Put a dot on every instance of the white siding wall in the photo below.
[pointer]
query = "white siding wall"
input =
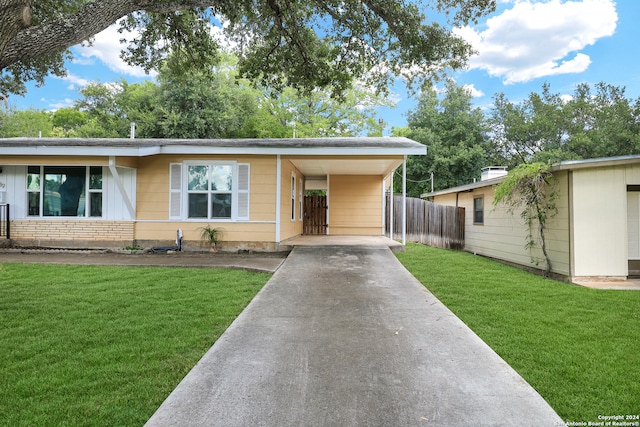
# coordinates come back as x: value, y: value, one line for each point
x: 16, y: 177
x: 600, y: 222
x: 114, y: 204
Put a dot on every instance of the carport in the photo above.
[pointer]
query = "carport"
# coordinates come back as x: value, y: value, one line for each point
x: 356, y: 178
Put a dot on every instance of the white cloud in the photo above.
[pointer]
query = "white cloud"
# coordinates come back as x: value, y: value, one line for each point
x: 536, y: 39
x: 566, y: 98
x: 475, y: 93
x: 74, y: 81
x: 218, y: 33
x: 67, y: 102
x: 106, y: 48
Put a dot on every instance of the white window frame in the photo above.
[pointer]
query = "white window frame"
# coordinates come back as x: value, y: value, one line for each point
x: 300, y: 199
x: 179, y: 191
x: 293, y: 197
x: 481, y: 211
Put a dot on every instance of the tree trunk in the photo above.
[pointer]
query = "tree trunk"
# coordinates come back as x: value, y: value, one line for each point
x: 15, y: 15
x: 543, y: 244
x: 20, y: 44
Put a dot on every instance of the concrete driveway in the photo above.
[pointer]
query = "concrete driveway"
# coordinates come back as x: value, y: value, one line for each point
x: 345, y: 336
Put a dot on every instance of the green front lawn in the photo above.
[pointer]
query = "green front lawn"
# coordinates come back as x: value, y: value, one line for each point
x: 104, y: 346
x: 579, y: 347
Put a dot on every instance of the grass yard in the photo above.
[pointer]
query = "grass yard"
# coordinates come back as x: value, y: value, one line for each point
x: 579, y: 347
x: 104, y: 346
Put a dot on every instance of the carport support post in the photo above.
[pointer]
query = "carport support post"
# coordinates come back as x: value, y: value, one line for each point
x: 404, y: 201
x: 391, y: 203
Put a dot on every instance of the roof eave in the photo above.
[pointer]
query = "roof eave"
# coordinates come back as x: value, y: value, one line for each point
x: 144, y: 151
x: 465, y: 188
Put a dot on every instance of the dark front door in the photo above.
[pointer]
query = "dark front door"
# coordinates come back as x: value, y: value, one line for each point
x: 315, y: 215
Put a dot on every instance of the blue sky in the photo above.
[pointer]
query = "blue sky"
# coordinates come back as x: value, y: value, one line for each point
x: 522, y: 45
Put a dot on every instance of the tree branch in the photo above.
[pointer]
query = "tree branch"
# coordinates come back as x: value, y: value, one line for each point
x: 15, y: 15
x: 93, y: 17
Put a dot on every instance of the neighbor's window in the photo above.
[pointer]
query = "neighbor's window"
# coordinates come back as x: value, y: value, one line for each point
x: 210, y: 189
x: 64, y: 191
x: 478, y: 210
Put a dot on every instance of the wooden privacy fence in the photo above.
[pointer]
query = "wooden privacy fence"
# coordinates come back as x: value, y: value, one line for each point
x: 428, y: 223
x: 315, y: 215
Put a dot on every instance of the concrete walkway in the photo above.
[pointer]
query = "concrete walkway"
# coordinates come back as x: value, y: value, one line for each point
x: 345, y: 336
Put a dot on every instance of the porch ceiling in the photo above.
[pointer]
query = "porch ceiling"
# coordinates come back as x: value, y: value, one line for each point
x: 311, y: 167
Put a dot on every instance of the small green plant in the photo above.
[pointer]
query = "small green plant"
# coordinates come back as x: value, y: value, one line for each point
x: 211, y: 235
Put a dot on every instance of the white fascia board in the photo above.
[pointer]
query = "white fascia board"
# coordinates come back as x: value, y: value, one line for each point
x: 283, y: 151
x: 75, y: 151
x: 186, y: 149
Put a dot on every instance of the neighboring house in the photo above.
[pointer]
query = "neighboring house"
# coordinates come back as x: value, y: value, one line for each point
x: 126, y: 192
x: 596, y: 232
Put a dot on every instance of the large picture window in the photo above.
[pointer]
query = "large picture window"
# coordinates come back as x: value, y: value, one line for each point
x: 71, y: 191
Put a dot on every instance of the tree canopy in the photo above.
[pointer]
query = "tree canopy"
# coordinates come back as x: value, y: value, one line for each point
x: 456, y: 136
x: 211, y: 104
x: 311, y: 43
x: 546, y: 127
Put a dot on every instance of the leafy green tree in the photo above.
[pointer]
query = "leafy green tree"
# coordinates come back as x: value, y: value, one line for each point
x: 104, y: 114
x: 139, y: 103
x: 456, y: 139
x: 546, y: 128
x: 217, y: 104
x: 66, y: 121
x: 604, y: 123
x: 312, y: 43
x: 204, y: 104
x: 533, y: 130
x: 316, y: 114
x: 68, y: 118
x: 25, y: 123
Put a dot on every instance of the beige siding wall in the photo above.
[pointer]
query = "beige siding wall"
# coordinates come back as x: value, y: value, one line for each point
x: 503, y: 235
x: 153, y: 203
x: 355, y: 205
x: 73, y: 233
x: 600, y: 220
x: 235, y: 235
x: 288, y: 227
x: 127, y: 162
x: 153, y: 188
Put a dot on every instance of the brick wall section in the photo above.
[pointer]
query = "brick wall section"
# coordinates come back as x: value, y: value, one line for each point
x: 72, y: 232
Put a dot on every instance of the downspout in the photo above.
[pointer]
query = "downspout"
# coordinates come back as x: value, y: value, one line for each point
x: 404, y: 201
x: 120, y: 185
x: 278, y: 195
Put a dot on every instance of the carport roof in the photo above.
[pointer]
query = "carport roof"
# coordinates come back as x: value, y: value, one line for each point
x: 149, y: 147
